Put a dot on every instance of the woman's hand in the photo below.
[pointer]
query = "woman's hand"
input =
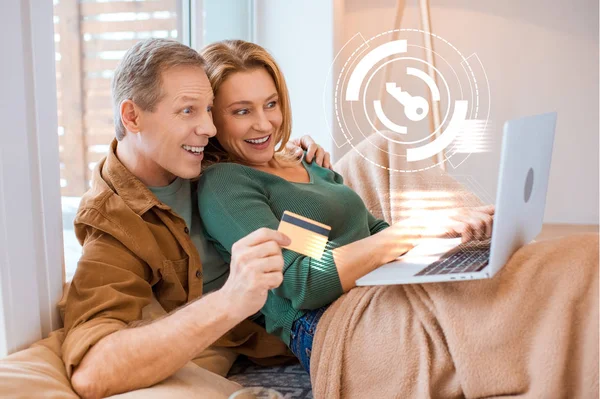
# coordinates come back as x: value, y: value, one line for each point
x: 313, y: 151
x: 469, y: 223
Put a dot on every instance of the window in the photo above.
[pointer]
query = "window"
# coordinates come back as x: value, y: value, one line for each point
x: 91, y: 36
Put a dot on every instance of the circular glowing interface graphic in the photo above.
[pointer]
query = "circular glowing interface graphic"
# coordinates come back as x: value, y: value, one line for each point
x: 427, y: 111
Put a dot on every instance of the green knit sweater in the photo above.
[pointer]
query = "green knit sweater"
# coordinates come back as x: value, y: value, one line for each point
x: 235, y: 200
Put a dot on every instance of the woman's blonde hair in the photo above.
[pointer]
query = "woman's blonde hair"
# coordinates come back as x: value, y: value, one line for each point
x: 227, y: 57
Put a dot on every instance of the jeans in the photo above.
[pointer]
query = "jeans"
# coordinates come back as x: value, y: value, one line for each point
x: 302, y: 335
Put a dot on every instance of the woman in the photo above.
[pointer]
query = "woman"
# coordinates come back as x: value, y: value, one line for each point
x: 251, y: 183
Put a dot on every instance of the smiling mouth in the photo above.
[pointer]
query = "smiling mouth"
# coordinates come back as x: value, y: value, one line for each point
x: 193, y: 150
x: 260, y: 140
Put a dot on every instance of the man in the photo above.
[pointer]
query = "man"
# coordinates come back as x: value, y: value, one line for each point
x: 136, y: 246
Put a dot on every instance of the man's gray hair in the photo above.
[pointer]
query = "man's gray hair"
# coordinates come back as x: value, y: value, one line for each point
x: 138, y: 76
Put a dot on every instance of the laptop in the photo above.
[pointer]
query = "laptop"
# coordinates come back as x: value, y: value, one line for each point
x: 521, y: 198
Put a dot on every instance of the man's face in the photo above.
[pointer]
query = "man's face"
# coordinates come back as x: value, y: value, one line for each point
x: 172, y: 137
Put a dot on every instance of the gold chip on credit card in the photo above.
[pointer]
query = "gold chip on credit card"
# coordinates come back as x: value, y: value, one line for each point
x: 308, y: 237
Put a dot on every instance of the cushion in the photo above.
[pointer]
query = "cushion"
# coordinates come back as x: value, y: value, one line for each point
x: 39, y: 369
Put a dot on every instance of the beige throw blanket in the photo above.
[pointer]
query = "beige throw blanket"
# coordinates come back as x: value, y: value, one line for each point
x: 530, y: 332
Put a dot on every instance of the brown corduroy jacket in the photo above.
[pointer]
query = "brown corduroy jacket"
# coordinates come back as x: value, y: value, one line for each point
x: 134, y: 246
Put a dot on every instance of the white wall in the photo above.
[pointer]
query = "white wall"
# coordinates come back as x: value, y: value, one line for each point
x: 300, y: 37
x: 31, y: 273
x: 226, y: 19
x: 539, y: 56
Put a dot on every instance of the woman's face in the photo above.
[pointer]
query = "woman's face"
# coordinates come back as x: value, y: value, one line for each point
x: 248, y: 116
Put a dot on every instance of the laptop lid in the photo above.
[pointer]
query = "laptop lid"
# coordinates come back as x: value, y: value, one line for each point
x: 522, y: 185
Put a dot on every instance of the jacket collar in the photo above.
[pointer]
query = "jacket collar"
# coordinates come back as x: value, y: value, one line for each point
x: 125, y: 184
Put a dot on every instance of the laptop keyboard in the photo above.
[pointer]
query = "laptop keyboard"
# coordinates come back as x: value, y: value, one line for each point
x: 468, y: 257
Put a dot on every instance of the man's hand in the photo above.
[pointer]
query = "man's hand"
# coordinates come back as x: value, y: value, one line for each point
x: 469, y: 223
x: 313, y: 151
x: 256, y: 267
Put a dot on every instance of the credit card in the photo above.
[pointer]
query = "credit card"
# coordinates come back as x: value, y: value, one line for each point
x: 308, y: 236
